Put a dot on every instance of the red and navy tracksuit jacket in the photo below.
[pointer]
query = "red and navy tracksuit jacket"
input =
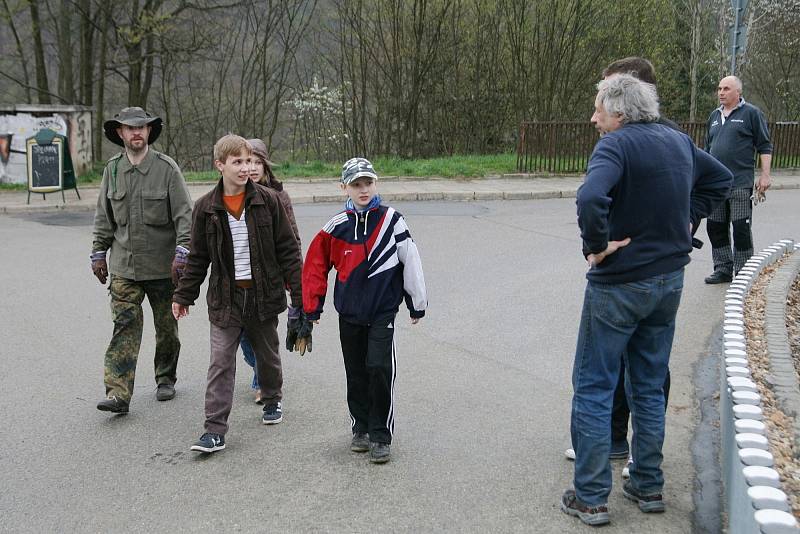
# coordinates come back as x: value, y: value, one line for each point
x: 377, y: 266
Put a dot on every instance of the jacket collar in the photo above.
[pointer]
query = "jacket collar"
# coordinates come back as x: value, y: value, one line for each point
x: 251, y: 196
x: 740, y: 104
x: 143, y: 167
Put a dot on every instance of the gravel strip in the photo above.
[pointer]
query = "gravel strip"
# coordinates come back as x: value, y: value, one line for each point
x: 780, y: 427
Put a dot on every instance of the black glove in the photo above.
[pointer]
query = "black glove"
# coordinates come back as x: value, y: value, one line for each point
x: 303, y: 342
x: 99, y: 266
x: 292, y: 326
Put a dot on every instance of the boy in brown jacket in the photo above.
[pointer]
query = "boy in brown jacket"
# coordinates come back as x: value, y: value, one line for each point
x: 241, y: 230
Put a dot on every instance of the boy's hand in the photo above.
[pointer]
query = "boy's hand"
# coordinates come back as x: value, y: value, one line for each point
x: 179, y: 310
x: 414, y: 320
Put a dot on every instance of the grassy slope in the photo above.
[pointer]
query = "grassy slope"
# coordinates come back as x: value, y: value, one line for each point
x: 445, y: 167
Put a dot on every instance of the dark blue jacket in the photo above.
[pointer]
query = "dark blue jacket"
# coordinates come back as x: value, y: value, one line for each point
x: 647, y: 182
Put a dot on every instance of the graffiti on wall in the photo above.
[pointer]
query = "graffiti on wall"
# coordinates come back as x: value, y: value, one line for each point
x: 80, y: 140
x: 22, y: 126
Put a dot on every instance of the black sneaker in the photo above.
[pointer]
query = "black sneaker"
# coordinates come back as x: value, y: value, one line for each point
x: 718, y: 277
x: 378, y: 452
x: 165, y: 392
x: 360, y: 442
x: 272, y: 413
x: 653, y: 503
x: 594, y: 516
x: 113, y: 404
x: 209, y: 443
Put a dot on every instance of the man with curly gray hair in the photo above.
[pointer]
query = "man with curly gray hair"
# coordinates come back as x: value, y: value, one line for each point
x: 646, y: 187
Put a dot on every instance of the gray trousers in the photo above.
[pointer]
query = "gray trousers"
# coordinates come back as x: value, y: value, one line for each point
x: 263, y: 336
x: 733, y: 216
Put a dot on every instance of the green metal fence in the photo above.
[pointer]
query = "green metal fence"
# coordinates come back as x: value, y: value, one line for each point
x: 565, y: 147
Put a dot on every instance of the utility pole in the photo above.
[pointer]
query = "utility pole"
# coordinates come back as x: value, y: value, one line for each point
x: 738, y: 32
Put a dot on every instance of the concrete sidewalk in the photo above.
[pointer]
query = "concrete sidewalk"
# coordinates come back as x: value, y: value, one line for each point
x: 392, y: 189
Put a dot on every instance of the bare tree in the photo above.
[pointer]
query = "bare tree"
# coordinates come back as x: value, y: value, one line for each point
x: 42, y: 85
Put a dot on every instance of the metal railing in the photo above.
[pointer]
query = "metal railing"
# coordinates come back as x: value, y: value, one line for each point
x: 565, y: 146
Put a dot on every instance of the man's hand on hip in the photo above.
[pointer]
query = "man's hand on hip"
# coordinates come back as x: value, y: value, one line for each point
x: 613, y: 246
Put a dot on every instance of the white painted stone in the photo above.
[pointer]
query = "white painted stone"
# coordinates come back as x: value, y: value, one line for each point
x: 756, y: 457
x: 740, y: 383
x: 737, y: 371
x: 734, y: 353
x: 737, y: 309
x: 757, y: 475
x: 733, y: 328
x: 750, y: 425
x: 738, y: 322
x: 733, y: 302
x: 752, y: 441
x: 735, y: 362
x: 735, y: 345
x: 765, y: 497
x: 776, y: 522
x: 746, y: 397
x: 733, y: 336
x: 747, y: 411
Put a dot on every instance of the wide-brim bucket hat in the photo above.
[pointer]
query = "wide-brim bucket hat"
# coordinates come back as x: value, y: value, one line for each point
x: 133, y: 116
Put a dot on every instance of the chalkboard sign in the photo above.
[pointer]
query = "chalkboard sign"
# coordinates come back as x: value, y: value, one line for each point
x: 45, y: 165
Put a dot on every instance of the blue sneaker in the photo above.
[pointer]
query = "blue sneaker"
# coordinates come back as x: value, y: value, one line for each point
x: 273, y: 413
x: 209, y: 443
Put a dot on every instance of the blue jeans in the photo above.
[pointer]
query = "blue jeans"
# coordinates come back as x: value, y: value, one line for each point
x: 250, y: 358
x: 637, y: 320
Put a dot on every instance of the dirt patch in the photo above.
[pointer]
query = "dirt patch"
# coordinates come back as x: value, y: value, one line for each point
x: 781, y: 433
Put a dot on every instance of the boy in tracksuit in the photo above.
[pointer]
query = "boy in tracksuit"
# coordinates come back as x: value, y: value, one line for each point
x: 241, y: 230
x: 377, y: 265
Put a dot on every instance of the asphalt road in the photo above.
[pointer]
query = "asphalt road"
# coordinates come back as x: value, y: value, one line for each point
x: 483, y: 394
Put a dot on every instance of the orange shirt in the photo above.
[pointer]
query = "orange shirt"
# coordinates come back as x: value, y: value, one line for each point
x: 234, y: 204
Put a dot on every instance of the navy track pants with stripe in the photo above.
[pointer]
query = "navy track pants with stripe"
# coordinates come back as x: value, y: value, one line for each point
x: 369, y: 361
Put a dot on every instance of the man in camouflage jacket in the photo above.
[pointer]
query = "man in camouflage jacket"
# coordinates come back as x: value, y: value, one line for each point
x: 144, y: 217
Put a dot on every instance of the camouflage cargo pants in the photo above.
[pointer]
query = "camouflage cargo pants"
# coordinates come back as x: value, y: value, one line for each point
x: 123, y: 351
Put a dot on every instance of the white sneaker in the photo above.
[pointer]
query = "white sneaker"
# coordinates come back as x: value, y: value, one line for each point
x: 626, y: 471
x: 570, y: 454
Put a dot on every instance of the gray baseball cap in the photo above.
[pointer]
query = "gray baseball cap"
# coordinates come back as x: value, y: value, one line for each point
x: 356, y: 168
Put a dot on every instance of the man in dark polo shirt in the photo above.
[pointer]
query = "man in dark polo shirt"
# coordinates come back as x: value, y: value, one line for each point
x: 736, y: 130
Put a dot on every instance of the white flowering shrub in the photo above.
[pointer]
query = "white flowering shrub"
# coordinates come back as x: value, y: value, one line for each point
x: 318, y: 132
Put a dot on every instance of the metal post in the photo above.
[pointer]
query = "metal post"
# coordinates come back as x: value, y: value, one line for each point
x: 737, y: 41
